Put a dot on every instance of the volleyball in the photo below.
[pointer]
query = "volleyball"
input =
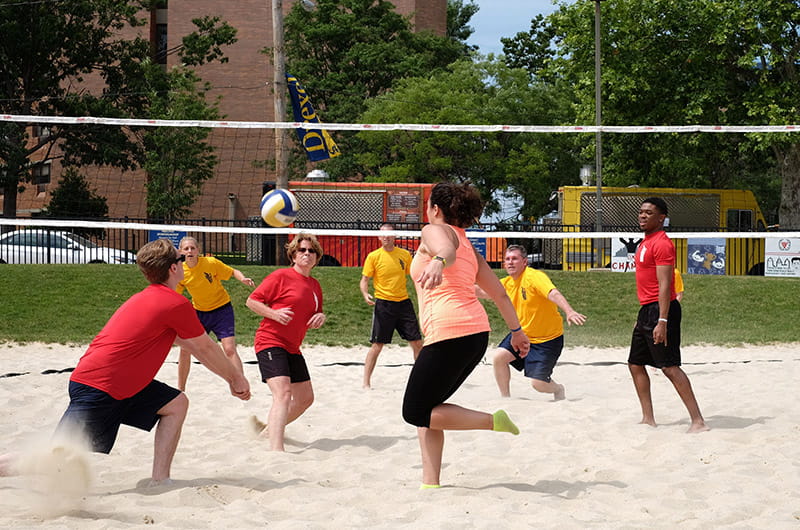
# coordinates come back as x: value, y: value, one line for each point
x: 279, y: 208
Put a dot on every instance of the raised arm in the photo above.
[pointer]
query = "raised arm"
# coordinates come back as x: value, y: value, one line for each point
x: 440, y: 243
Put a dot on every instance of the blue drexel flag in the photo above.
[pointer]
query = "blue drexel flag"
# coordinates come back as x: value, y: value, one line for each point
x: 318, y: 143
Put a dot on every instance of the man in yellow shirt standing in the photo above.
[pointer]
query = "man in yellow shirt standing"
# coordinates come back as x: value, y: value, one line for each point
x: 536, y: 301
x: 388, y: 267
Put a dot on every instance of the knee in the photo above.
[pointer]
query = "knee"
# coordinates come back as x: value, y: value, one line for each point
x: 179, y: 406
x: 306, y: 400
x: 501, y: 357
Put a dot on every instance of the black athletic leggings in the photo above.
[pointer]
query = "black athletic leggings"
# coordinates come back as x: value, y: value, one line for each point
x: 438, y: 372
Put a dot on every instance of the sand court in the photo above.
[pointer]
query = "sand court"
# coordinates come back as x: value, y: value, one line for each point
x: 351, y: 461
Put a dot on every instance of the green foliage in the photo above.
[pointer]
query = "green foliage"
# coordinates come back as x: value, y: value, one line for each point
x: 346, y: 52
x: 74, y: 198
x: 81, y: 298
x: 178, y: 160
x: 480, y: 92
x: 459, y: 14
x: 681, y: 62
x: 49, y: 49
x: 46, y: 51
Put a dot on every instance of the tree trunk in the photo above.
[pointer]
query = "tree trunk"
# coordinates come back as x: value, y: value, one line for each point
x: 789, y: 210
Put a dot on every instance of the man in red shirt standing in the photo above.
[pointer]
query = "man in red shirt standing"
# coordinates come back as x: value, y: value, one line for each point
x: 656, y: 338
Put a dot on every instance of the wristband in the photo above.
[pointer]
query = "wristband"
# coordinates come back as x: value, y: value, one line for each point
x: 515, y: 330
x: 439, y: 258
x: 662, y: 319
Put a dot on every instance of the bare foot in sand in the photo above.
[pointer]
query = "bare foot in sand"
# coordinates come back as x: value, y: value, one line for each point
x: 648, y: 421
x: 560, y: 393
x: 698, y: 427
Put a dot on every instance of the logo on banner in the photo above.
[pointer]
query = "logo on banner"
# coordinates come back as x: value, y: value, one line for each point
x: 318, y: 144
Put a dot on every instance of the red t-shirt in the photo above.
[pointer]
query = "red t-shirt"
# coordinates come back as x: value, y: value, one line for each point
x: 130, y: 349
x: 656, y: 249
x: 287, y: 288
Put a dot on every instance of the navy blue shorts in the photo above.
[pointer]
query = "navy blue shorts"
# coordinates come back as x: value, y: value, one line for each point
x: 541, y: 359
x: 643, y: 351
x: 389, y: 316
x: 219, y: 321
x: 277, y: 362
x: 98, y: 415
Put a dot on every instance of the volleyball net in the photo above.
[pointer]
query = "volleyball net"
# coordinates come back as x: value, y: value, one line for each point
x: 347, y: 223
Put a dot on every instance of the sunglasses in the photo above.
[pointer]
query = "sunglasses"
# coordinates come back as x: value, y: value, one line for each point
x: 304, y: 250
x: 180, y: 258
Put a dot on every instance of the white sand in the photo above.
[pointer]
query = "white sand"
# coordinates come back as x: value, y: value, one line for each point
x: 352, y: 462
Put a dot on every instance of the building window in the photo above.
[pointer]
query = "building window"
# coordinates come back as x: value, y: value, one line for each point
x: 41, y: 176
x: 159, y: 39
x: 41, y: 131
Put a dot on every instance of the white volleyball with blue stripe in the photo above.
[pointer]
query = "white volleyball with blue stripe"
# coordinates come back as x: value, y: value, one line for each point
x: 279, y: 208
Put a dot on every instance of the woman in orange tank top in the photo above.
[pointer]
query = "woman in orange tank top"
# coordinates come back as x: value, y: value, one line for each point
x: 445, y: 270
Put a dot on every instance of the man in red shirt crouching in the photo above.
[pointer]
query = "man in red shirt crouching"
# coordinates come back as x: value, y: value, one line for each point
x: 114, y: 381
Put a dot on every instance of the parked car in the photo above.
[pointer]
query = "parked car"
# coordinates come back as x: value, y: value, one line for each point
x: 52, y: 246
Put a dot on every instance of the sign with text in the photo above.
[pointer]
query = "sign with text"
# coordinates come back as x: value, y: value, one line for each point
x: 622, y: 254
x: 173, y: 235
x: 782, y: 257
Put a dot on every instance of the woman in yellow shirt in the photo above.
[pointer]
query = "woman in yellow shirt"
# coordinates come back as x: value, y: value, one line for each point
x: 203, y: 277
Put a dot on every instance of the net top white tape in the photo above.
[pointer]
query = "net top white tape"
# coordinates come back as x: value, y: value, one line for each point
x: 30, y: 223
x: 88, y: 120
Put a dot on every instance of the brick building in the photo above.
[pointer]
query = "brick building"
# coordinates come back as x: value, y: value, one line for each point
x: 245, y: 84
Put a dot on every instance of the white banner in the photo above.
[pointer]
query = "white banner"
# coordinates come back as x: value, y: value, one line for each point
x: 782, y: 257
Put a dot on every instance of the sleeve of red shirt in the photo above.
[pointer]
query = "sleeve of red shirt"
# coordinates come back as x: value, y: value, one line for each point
x: 183, y: 319
x: 664, y: 253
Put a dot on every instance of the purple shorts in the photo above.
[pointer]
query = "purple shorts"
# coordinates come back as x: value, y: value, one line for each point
x: 220, y: 321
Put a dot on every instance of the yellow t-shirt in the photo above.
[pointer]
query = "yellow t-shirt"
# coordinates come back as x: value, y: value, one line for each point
x: 538, y: 316
x: 204, y: 283
x: 388, y: 271
x: 678, y: 281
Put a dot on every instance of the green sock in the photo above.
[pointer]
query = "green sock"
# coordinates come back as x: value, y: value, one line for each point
x: 502, y: 423
x: 429, y: 486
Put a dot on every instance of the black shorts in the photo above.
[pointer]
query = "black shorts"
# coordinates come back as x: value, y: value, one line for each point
x: 98, y: 415
x: 389, y: 316
x: 438, y: 372
x: 643, y: 351
x: 277, y: 362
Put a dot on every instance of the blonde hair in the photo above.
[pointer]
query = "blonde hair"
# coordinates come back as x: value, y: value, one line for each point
x: 294, y: 244
x: 184, y: 239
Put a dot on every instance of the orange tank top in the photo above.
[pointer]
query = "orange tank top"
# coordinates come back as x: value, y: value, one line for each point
x: 451, y: 310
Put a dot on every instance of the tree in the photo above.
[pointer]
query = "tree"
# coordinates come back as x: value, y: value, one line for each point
x: 177, y: 160
x: 47, y: 49
x: 48, y: 52
x: 458, y: 16
x: 74, y: 198
x: 680, y: 62
x: 348, y: 51
x: 530, y: 166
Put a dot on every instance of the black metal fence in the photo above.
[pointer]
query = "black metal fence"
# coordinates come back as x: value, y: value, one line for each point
x: 81, y: 244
